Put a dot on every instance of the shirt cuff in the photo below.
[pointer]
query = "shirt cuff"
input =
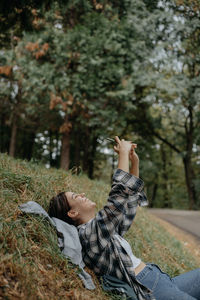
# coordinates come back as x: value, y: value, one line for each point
x: 134, y: 183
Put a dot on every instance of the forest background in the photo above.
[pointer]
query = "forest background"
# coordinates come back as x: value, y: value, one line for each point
x: 76, y: 72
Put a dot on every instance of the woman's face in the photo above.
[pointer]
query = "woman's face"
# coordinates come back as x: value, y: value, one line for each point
x: 79, y: 202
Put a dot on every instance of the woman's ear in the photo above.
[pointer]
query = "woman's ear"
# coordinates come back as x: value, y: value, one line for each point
x: 73, y: 214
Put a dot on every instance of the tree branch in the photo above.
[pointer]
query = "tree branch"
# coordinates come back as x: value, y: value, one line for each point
x: 166, y: 141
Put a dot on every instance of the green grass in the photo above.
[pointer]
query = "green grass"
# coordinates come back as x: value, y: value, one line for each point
x: 32, y: 266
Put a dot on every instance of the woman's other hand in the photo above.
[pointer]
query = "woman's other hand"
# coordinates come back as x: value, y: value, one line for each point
x: 133, y: 155
x: 134, y: 170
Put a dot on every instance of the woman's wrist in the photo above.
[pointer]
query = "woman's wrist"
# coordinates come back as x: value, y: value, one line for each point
x: 134, y: 170
x: 123, y: 161
x: 134, y: 163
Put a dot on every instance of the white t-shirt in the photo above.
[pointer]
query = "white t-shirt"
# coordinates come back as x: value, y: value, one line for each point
x: 136, y: 261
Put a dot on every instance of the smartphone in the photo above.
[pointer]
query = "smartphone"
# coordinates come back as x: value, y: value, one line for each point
x: 111, y: 140
x: 114, y: 142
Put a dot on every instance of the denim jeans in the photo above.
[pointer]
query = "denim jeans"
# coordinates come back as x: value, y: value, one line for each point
x: 163, y: 287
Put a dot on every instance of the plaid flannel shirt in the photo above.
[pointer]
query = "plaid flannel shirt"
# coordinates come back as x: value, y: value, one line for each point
x: 101, y: 250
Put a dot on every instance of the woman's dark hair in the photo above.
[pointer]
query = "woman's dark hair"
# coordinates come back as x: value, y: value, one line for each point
x: 59, y: 207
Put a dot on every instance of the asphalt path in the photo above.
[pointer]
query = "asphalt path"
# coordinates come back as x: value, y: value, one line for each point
x: 187, y: 220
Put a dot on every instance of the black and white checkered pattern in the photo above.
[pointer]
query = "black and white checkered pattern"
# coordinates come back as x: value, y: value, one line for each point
x: 102, y: 252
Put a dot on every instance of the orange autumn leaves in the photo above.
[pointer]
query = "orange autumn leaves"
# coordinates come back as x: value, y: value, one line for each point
x: 66, y: 127
x: 37, y: 50
x: 6, y: 70
x: 189, y: 4
x: 54, y: 101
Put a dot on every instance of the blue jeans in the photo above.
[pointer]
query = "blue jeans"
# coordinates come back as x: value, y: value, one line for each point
x: 163, y: 287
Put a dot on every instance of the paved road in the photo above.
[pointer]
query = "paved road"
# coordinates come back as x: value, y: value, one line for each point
x: 186, y: 220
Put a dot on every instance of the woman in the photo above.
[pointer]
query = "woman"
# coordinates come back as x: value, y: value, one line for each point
x: 105, y: 250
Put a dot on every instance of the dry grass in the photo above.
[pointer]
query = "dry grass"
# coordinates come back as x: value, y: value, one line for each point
x: 32, y: 266
x: 188, y: 240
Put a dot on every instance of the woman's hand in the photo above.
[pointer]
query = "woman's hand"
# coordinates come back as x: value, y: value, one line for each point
x: 126, y: 152
x: 134, y: 162
x: 123, y: 149
x: 133, y: 155
x: 122, y: 146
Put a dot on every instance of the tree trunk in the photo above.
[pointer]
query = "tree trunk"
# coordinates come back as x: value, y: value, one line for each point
x: 92, y: 158
x: 187, y: 159
x: 77, y: 149
x: 13, y: 137
x: 2, y: 143
x: 189, y: 177
x: 65, y: 151
x: 16, y: 110
x: 155, y: 188
x: 166, y: 202
x: 28, y: 143
x: 58, y: 150
x: 86, y: 149
x: 50, y: 148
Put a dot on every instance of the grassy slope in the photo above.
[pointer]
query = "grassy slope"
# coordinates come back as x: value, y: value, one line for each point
x: 31, y: 264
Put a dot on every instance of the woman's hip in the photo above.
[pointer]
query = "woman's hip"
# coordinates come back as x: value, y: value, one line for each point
x: 161, y: 284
